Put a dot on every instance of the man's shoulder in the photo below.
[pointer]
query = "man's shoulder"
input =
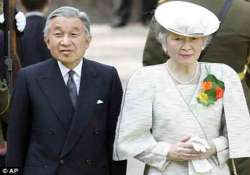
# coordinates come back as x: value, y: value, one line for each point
x: 40, y: 66
x: 34, y: 24
x: 106, y: 72
x: 98, y: 66
x: 36, y: 19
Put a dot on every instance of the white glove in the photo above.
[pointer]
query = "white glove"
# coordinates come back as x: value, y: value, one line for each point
x: 199, y: 144
x: 20, y: 21
x: 1, y: 18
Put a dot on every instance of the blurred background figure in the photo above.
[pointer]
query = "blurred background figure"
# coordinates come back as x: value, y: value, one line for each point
x: 4, y: 103
x: 33, y: 48
x: 4, y: 91
x: 4, y: 106
x: 122, y: 11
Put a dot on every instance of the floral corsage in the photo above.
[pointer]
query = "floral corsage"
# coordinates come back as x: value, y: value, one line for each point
x: 212, y: 89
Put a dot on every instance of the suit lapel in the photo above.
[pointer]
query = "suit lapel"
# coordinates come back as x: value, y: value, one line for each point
x: 87, y: 95
x: 53, y: 86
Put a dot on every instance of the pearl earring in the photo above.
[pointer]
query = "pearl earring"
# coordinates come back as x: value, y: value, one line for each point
x: 165, y: 49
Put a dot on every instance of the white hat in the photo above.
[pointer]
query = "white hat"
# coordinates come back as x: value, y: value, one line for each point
x: 186, y: 19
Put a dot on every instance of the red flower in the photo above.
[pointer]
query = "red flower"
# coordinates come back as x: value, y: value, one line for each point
x: 212, y: 89
x: 219, y: 92
x: 206, y: 85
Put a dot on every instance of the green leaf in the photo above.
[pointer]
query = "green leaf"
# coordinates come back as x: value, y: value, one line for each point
x: 210, y: 93
x: 221, y: 84
x: 210, y: 101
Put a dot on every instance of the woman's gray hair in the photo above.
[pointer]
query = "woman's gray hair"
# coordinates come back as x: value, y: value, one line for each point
x: 161, y: 35
x: 68, y: 12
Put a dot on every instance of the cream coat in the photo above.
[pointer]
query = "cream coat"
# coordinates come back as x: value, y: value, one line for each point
x: 155, y: 115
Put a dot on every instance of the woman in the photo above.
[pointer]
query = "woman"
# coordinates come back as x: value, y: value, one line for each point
x: 184, y: 117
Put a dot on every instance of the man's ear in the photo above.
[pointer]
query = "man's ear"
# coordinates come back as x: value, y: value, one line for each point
x: 88, y: 41
x: 46, y: 40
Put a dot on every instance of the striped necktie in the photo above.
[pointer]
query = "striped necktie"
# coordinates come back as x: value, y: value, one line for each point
x: 71, y: 85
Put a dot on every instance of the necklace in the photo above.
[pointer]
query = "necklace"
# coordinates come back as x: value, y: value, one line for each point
x: 194, y: 76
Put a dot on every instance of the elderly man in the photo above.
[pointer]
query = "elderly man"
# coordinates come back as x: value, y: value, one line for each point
x: 64, y: 110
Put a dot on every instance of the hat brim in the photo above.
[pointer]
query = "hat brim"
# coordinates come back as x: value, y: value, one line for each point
x: 187, y: 19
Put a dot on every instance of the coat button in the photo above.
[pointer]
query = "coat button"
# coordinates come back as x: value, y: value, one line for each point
x: 61, y: 162
x: 96, y: 132
x: 51, y: 132
x: 88, y: 162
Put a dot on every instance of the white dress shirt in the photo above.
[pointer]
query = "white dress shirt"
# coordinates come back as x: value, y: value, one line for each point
x: 77, y: 76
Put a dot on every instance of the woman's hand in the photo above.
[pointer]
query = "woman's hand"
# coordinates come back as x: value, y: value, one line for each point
x: 210, y: 152
x: 184, y: 151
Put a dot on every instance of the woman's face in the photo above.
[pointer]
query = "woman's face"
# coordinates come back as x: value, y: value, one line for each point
x: 184, y: 50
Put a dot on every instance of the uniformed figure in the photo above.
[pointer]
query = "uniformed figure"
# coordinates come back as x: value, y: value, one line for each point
x: 123, y: 8
x: 4, y: 93
x: 3, y: 100
x: 231, y: 46
x: 33, y: 47
x: 4, y: 108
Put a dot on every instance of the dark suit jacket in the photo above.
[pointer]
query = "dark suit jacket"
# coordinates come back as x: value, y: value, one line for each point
x: 43, y: 140
x: 33, y: 48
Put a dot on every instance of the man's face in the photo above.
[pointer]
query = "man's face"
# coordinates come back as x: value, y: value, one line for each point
x: 67, y: 40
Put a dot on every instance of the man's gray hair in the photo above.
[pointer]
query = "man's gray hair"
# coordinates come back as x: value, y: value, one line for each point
x: 68, y: 12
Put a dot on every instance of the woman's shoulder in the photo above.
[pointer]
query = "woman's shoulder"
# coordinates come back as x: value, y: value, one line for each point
x: 221, y: 67
x: 221, y: 71
x: 148, y: 74
x: 150, y: 70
